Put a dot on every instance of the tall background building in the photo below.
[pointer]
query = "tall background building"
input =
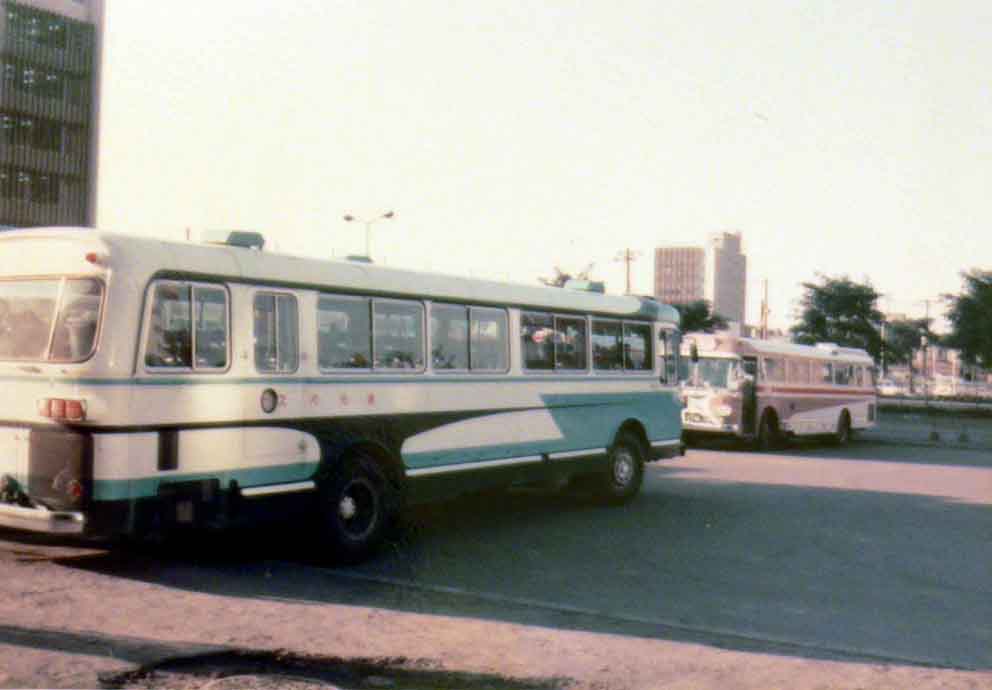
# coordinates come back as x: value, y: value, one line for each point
x: 49, y: 107
x: 726, y: 276
x: 679, y: 274
x: 716, y: 273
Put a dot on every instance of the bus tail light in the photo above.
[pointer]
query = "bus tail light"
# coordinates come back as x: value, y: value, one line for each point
x: 62, y: 409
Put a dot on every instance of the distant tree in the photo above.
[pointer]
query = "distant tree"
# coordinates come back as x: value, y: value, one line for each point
x: 903, y: 337
x: 970, y: 317
x: 561, y: 277
x: 697, y: 317
x: 841, y: 311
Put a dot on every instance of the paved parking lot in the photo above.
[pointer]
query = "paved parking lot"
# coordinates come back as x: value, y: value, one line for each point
x: 874, y: 556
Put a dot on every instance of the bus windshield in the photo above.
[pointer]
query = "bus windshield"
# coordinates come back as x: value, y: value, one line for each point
x: 49, y: 319
x: 715, y: 372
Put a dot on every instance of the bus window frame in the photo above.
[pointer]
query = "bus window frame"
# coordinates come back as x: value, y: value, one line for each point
x: 264, y: 292
x: 556, y: 369
x: 146, y: 326
x: 606, y: 372
x: 337, y: 371
x: 649, y: 343
x: 468, y: 338
x: 382, y: 370
x: 506, y: 341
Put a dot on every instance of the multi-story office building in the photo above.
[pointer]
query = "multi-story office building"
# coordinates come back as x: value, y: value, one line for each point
x: 679, y: 274
x: 726, y: 276
x: 716, y: 273
x: 50, y: 56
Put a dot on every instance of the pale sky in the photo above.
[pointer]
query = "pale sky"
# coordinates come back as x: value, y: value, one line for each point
x: 509, y: 137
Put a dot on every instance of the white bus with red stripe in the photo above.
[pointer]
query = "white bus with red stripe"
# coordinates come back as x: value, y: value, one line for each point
x: 764, y: 390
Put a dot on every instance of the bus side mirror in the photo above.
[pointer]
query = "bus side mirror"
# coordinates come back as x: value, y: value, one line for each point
x: 694, y: 353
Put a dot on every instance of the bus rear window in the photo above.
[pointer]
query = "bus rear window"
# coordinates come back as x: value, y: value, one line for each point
x: 49, y: 320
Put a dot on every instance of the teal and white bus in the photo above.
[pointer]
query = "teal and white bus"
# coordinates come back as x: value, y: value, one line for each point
x: 154, y: 384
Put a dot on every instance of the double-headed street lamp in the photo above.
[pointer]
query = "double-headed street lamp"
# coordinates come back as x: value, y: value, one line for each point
x: 367, y: 222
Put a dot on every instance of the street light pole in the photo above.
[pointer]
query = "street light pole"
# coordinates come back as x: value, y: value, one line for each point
x: 367, y: 222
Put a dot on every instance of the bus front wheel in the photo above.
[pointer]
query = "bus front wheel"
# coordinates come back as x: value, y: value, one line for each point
x: 625, y: 470
x: 353, y: 509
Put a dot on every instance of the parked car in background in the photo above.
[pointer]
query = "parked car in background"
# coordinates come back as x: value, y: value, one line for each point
x: 888, y: 387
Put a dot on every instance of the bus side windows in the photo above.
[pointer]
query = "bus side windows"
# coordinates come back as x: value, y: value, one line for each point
x: 773, y: 369
x: 607, y: 345
x: 537, y: 334
x: 449, y: 337
x: 826, y: 372
x: 798, y: 371
x: 398, y: 338
x: 489, y: 340
x: 843, y: 375
x: 570, y: 343
x: 169, y: 337
x: 210, y: 309
x: 637, y: 350
x: 344, y: 333
x: 276, y: 333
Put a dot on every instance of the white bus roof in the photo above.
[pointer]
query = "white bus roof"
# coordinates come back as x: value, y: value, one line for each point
x: 143, y: 257
x: 721, y: 343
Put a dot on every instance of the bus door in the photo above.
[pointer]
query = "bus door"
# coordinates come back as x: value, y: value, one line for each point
x: 274, y: 449
x: 749, y: 391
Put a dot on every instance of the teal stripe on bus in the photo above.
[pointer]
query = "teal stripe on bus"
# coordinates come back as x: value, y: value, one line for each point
x: 144, y: 487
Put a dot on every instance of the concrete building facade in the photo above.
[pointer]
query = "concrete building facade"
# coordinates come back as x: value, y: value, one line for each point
x: 716, y: 273
x: 49, y: 108
x: 679, y: 274
x: 726, y: 276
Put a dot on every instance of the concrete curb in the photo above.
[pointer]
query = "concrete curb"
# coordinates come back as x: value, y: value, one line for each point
x: 942, y: 442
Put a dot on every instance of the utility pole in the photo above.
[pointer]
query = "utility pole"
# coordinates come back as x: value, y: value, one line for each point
x: 882, y: 353
x: 628, y: 257
x: 764, y: 311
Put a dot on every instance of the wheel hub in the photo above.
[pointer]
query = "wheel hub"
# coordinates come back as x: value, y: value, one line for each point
x: 347, y: 508
x: 623, y: 468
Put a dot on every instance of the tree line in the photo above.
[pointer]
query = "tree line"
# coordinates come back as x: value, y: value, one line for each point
x: 843, y: 311
x: 840, y: 310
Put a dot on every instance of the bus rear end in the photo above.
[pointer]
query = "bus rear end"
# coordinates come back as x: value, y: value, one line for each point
x: 52, y: 298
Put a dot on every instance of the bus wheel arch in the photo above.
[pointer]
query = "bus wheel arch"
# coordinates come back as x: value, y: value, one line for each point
x: 624, y: 472
x: 635, y: 429
x: 358, y: 501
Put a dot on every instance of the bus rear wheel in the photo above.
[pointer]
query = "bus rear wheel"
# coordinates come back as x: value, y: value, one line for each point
x: 353, y: 509
x: 768, y: 437
x: 624, y: 470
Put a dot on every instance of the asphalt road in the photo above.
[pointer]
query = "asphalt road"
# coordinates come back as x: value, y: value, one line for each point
x: 871, y: 551
x: 877, y: 553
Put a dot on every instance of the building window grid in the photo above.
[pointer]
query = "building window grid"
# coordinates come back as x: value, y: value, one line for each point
x: 32, y: 191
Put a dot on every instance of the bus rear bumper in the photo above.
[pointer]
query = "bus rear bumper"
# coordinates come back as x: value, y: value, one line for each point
x: 41, y: 520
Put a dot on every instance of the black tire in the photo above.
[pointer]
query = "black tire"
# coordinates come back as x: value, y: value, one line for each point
x: 842, y: 436
x: 767, y: 438
x: 354, y: 509
x: 624, y: 472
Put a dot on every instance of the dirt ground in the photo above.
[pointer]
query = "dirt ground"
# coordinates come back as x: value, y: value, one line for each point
x: 65, y: 626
